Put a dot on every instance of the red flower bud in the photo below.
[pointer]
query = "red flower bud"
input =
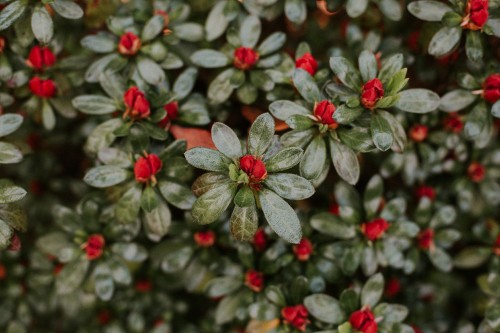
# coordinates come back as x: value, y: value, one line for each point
x: 324, y: 111
x: 254, y: 168
x: 334, y: 209
x: 260, y: 240
x: 476, y: 14
x: 425, y: 239
x: 307, y: 63
x: 2, y: 44
x: 94, y: 247
x: 15, y: 243
x: 476, y: 172
x: 392, y: 288
x: 143, y: 286
x: 496, y: 246
x: 3, y: 272
x: 245, y: 58
x: 491, y: 88
x: 371, y: 92
x: 136, y: 103
x: 413, y: 41
x: 418, y: 132
x: 416, y: 329
x: 104, y: 317
x: 172, y: 110
x: 295, y: 316
x: 204, y: 238
x: 57, y: 269
x: 42, y: 88
x: 363, y: 321
x: 145, y: 168
x: 453, y: 123
x: 40, y: 57
x: 303, y: 250
x: 425, y: 191
x: 375, y: 229
x: 254, y: 280
x: 129, y: 44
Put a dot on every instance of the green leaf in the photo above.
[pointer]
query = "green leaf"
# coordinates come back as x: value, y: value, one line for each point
x: 314, y: 158
x: 48, y: 116
x: 152, y: 28
x: 102, y: 136
x: 177, y: 194
x: 418, y: 100
x: 284, y: 109
x: 244, y: 197
x: 9, y: 153
x: 226, y: 141
x: 149, y: 201
x: 261, y: 134
x: 150, y: 71
x: 290, y: 186
x: 207, y: 58
x: 222, y: 286
x: 476, y: 121
x: 392, y: 313
x: 346, y: 115
x: 67, y: 9
x: 495, y: 109
x: 391, y: 9
x: 272, y: 43
x: 189, y: 31
x: 104, y: 286
x: 428, y: 10
x: 346, y: 72
x: 345, y: 161
x: 247, y: 93
x: 9, y: 123
x: 42, y: 25
x: 14, y: 216
x: 381, y: 132
x: 99, y: 43
x: 296, y: 11
x: 94, y: 104
x: 128, y: 207
x: 492, y: 316
x: 5, y: 235
x: 367, y: 65
x: 227, y: 308
x: 280, y: 216
x: 11, y: 193
x: 105, y: 176
x: 157, y: 222
x: 372, y: 290
x: 210, y: 206
x: 185, y: 82
x: 355, y: 8
x: 244, y: 223
x: 441, y: 259
x: 398, y: 132
x: 444, y: 41
x: 329, y: 224
x: 373, y: 195
x: 456, y: 100
x: 325, y: 308
x: 306, y: 86
x: 390, y: 67
x: 207, y: 159
x: 284, y: 159
x: 71, y: 276
x: 216, y: 22
x: 221, y: 88
x: 250, y: 31
x: 11, y: 13
x: 473, y: 46
x: 359, y: 139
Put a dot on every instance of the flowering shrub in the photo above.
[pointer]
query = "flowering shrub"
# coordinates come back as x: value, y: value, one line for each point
x: 257, y: 166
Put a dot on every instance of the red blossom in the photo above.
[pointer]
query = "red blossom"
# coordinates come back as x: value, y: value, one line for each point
x: 453, y: 123
x: 260, y: 240
x: 295, y: 316
x: 254, y: 280
x: 363, y: 321
x: 418, y: 132
x: 40, y: 57
x: 143, y: 286
x: 42, y: 88
x: 374, y: 229
x: 476, y: 14
x: 307, y: 63
x: 371, y: 92
x: 129, y: 44
x: 303, y: 250
x: 425, y: 191
x: 245, y: 58
x: 334, y: 209
x: 392, y: 288
x: 491, y: 88
x: 254, y: 168
x: 204, y: 238
x: 425, y: 239
x: 94, y: 247
x: 3, y: 272
x: 136, y: 103
x: 476, y: 172
x: 324, y: 111
x: 145, y: 168
x: 172, y: 110
x: 496, y: 246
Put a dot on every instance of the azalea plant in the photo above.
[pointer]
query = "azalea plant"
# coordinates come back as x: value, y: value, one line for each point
x: 256, y: 166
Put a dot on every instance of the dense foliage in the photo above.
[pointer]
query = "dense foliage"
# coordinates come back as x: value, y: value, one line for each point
x: 258, y: 166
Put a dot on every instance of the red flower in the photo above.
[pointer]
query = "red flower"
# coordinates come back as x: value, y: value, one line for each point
x: 254, y: 280
x: 324, y: 111
x: 375, y: 229
x: 476, y: 14
x: 204, y: 238
x: 334, y: 209
x: 303, y: 250
x: 295, y: 316
x: 496, y: 246
x: 15, y: 243
x: 425, y: 191
x: 2, y: 44
x: 371, y: 92
x: 136, y: 103
x: 41, y: 57
x: 425, y: 239
x: 42, y: 88
x: 453, y: 123
x: 416, y: 329
x: 418, y: 132
x: 413, y: 41
x: 129, y: 44
x: 393, y: 287
x: 260, y: 240
x: 254, y: 168
x: 307, y: 63
x: 363, y: 321
x: 476, y: 172
x: 491, y: 88
x: 94, y: 247
x: 172, y: 110
x: 3, y: 272
x: 145, y: 168
x: 57, y: 269
x: 143, y: 286
x: 245, y: 58
x: 104, y: 317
